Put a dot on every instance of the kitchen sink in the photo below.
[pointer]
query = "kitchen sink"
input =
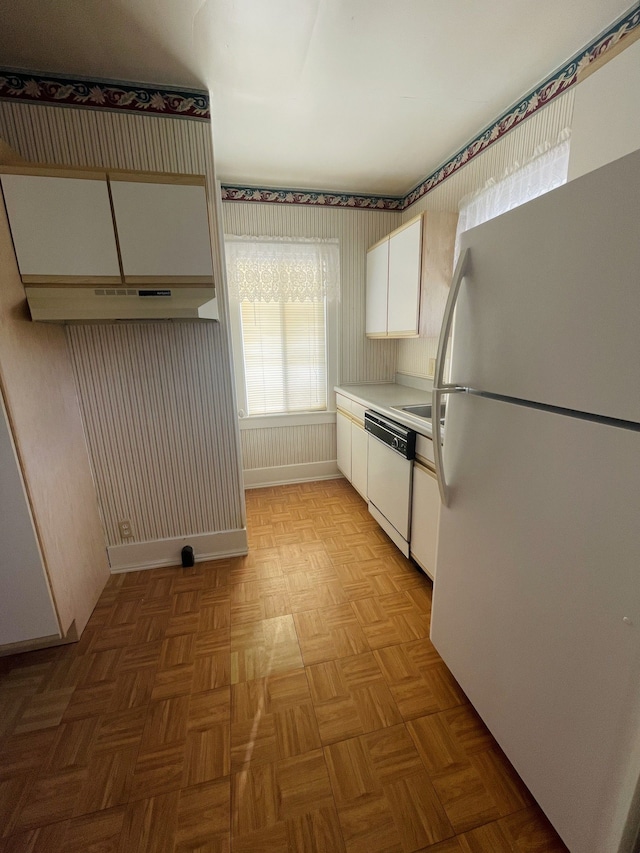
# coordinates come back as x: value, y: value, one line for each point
x: 421, y: 410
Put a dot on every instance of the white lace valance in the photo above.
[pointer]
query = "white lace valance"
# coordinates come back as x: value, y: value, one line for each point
x: 545, y: 171
x: 268, y: 269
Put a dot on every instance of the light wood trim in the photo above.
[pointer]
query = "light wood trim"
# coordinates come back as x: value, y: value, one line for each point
x: 395, y: 231
x: 379, y: 243
x: 193, y: 280
x: 426, y: 466
x: 116, y: 235
x: 91, y: 173
x: 9, y: 157
x: 353, y: 418
x: 405, y: 225
x: 55, y: 172
x: 158, y: 178
x: 409, y: 333
x: 609, y: 54
x: 73, y: 280
x: 379, y: 335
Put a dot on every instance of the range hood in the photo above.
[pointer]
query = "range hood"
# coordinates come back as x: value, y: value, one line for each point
x: 75, y: 303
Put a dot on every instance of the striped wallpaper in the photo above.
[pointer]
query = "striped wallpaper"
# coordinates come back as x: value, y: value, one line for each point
x: 127, y: 445
x: 293, y: 445
x: 157, y: 399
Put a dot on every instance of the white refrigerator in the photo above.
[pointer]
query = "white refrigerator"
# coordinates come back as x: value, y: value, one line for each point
x: 536, y: 606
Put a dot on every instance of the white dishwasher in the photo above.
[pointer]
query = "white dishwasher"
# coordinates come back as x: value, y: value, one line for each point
x: 391, y: 450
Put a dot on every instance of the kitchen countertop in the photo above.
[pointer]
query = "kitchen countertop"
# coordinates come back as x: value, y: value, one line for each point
x: 382, y: 397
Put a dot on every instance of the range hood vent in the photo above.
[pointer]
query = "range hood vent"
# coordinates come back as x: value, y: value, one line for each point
x: 79, y: 304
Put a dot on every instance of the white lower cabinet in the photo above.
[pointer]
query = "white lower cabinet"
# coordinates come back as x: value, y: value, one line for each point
x: 425, y: 514
x: 343, y: 437
x: 359, y: 458
x: 352, y: 443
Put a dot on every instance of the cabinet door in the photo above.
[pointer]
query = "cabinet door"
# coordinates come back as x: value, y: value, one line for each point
x: 163, y: 231
x: 62, y: 227
x: 359, y: 460
x: 377, y: 285
x: 405, y: 265
x: 425, y: 514
x: 604, y: 125
x: 343, y: 436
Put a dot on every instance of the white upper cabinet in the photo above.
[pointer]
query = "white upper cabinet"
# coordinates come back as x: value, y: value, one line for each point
x: 408, y: 277
x: 405, y: 265
x: 377, y: 288
x: 163, y: 230
x: 606, y: 120
x: 62, y: 227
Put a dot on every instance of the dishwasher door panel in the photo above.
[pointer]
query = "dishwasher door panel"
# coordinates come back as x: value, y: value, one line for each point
x: 389, y: 483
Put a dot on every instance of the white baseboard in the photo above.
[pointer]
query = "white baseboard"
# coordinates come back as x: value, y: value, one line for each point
x: 166, y: 552
x: 280, y: 475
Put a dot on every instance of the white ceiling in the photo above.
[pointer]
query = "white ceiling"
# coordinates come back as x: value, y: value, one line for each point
x: 365, y: 96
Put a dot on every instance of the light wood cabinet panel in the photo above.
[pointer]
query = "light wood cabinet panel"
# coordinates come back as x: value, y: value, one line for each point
x: 438, y: 246
x: 405, y: 262
x: 425, y: 514
x: 343, y: 438
x: 163, y: 230
x: 61, y: 227
x: 359, y: 459
x: 377, y: 289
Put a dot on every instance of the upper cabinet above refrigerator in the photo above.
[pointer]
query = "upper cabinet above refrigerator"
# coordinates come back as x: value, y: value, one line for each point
x: 408, y: 275
x: 606, y: 121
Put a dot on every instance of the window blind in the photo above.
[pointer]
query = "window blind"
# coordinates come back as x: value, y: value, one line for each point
x: 282, y: 289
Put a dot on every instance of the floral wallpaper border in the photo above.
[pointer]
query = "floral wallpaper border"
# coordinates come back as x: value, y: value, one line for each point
x: 97, y: 94
x: 555, y: 85
x: 152, y: 100
x: 321, y: 199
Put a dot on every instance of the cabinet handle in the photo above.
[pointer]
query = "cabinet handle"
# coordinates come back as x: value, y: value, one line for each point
x: 440, y: 387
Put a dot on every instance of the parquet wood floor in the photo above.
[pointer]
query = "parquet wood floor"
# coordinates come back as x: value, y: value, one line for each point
x: 288, y: 701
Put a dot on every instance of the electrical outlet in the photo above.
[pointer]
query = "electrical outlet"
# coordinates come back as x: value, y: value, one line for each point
x: 125, y: 530
x: 432, y: 367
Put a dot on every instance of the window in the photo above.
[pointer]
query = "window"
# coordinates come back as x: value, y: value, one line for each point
x: 544, y: 172
x: 282, y: 297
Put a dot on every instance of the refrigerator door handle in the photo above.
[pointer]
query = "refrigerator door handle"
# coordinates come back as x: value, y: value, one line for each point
x: 440, y: 387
